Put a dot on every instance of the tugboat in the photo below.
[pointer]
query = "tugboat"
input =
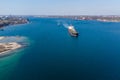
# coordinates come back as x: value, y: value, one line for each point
x: 72, y: 31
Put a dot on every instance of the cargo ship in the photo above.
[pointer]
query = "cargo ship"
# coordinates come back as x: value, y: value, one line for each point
x: 72, y: 31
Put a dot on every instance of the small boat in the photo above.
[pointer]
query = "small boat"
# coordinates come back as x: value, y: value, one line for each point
x: 72, y: 31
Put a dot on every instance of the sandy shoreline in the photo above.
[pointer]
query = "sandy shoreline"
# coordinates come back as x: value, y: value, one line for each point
x: 7, y: 47
x: 9, y: 44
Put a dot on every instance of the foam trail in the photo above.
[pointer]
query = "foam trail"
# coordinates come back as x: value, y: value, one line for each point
x: 65, y: 25
x: 58, y: 22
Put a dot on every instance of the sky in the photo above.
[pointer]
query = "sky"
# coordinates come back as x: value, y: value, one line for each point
x: 59, y: 7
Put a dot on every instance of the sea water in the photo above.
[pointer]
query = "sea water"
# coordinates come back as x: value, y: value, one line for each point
x: 55, y: 55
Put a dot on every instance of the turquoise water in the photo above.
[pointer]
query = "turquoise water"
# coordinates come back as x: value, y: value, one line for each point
x: 54, y: 55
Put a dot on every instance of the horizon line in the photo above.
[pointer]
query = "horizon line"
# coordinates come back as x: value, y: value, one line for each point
x: 52, y: 15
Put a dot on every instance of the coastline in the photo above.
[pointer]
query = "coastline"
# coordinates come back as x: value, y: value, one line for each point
x: 108, y: 20
x: 6, y: 46
x: 14, y: 25
x: 12, y: 20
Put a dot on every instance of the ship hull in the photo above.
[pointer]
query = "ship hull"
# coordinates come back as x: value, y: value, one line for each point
x: 72, y: 31
x: 73, y: 34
